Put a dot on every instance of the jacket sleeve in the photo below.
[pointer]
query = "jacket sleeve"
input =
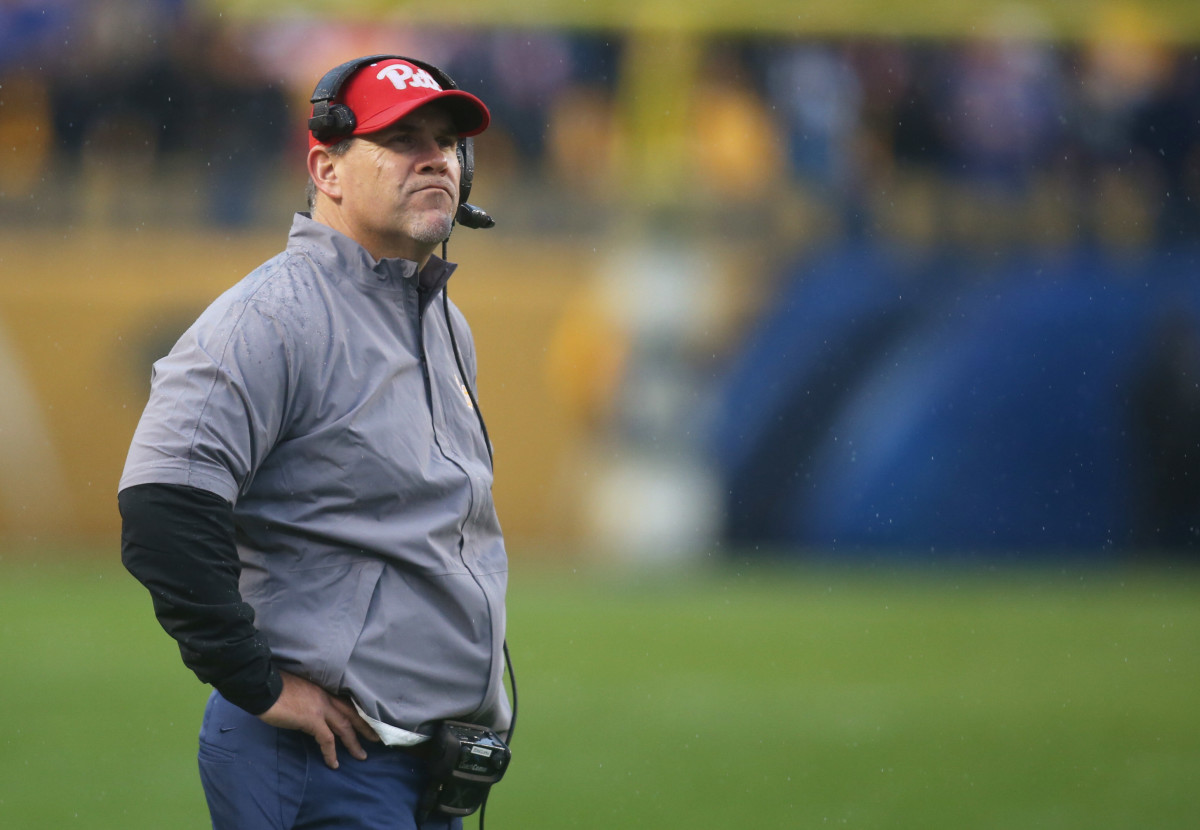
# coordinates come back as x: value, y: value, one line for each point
x: 178, y: 541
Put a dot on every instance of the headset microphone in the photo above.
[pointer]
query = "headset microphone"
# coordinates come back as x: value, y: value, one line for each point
x: 470, y: 216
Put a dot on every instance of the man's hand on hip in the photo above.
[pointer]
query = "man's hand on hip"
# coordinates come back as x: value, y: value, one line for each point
x: 307, y: 707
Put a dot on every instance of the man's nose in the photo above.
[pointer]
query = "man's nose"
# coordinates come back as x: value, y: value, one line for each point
x: 435, y: 157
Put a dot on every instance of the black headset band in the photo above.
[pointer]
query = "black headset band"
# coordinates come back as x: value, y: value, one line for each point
x: 331, y: 82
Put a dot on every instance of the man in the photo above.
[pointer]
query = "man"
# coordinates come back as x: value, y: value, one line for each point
x: 308, y: 493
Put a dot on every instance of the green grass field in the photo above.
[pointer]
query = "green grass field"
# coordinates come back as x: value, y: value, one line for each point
x: 724, y: 697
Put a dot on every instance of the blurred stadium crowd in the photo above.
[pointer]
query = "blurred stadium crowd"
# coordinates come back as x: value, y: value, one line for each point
x: 999, y: 138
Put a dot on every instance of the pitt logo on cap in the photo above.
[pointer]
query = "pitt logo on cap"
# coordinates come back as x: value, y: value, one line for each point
x: 402, y: 76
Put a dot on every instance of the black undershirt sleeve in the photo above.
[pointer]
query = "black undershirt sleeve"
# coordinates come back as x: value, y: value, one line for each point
x: 179, y: 542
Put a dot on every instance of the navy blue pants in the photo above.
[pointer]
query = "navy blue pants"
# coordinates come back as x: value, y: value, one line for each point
x: 259, y: 777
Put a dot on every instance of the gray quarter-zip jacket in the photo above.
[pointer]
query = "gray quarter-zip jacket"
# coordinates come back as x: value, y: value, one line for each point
x: 321, y: 397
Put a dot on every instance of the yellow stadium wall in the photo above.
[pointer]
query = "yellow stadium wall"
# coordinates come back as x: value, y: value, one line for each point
x: 83, y: 316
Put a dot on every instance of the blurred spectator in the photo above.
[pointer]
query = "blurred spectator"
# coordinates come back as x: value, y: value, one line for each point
x: 737, y: 144
x: 1165, y: 131
x: 241, y: 119
x: 582, y: 142
x: 526, y: 72
x: 819, y: 98
x: 1112, y: 77
x: 25, y: 132
x: 1003, y: 100
x: 904, y: 89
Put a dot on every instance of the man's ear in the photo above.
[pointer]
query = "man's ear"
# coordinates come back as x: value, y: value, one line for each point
x: 323, y: 171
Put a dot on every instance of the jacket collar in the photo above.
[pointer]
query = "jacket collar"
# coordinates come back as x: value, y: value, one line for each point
x: 342, y: 256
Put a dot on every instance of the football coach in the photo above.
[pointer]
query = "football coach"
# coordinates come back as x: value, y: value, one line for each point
x: 308, y: 494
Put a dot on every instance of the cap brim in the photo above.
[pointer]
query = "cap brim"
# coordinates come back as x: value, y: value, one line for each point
x: 470, y: 115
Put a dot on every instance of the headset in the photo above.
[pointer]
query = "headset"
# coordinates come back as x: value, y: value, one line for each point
x: 331, y: 121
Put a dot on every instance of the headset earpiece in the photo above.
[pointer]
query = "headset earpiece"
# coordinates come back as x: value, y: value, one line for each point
x: 330, y: 121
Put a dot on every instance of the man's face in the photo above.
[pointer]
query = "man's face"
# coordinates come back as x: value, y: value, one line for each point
x: 399, y: 186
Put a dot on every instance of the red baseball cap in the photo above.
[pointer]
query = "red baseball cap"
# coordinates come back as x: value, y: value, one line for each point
x: 382, y: 93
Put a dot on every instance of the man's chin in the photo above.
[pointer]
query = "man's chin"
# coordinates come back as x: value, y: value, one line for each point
x: 433, y: 229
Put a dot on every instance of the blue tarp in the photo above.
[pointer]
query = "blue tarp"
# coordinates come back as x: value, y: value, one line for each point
x: 955, y: 401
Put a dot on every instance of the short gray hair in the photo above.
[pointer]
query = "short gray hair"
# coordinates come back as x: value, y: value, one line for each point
x: 310, y: 189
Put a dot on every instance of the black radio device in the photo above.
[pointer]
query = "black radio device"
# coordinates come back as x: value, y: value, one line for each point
x: 464, y: 762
